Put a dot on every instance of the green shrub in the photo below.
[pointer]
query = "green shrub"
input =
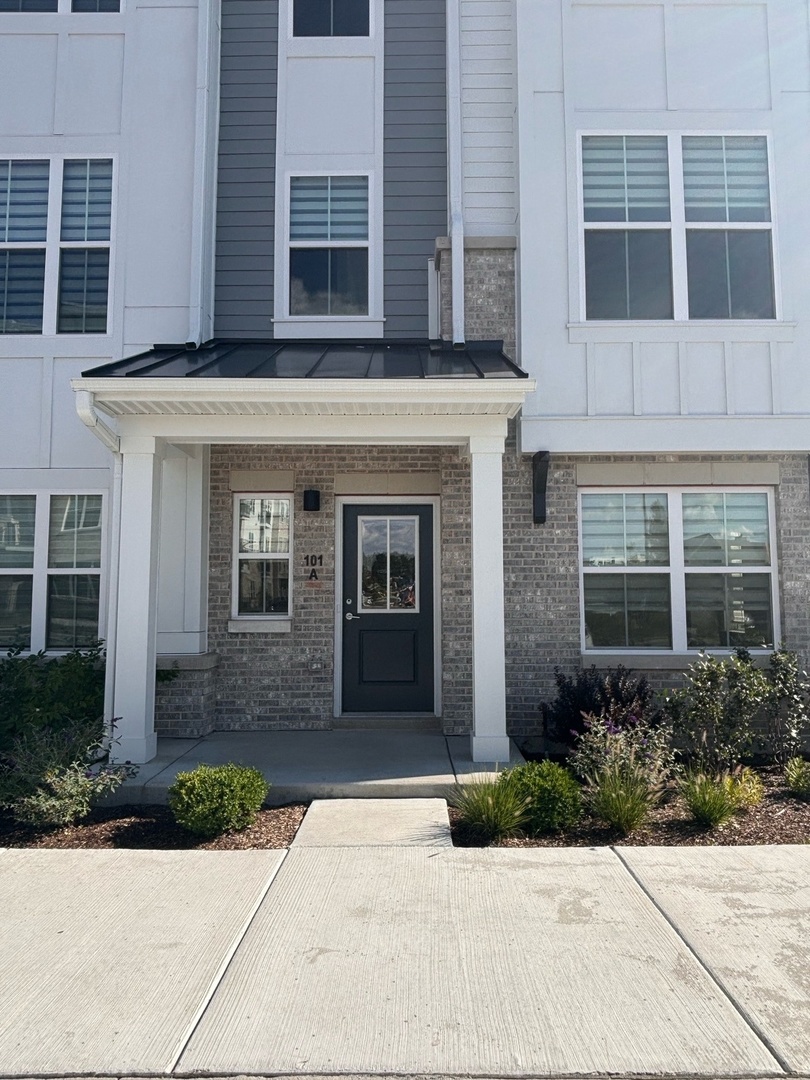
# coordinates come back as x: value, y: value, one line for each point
x: 593, y: 693
x: 49, y: 692
x: 797, y: 777
x: 638, y: 742
x: 489, y: 809
x: 787, y: 707
x: 66, y: 795
x: 213, y: 799
x: 713, y: 714
x: 621, y: 796
x: 711, y: 800
x: 553, y: 797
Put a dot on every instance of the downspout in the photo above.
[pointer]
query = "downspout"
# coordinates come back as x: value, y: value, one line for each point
x: 455, y: 168
x: 86, y: 408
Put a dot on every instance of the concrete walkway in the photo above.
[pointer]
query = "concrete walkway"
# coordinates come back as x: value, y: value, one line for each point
x: 366, y: 763
x: 418, y: 959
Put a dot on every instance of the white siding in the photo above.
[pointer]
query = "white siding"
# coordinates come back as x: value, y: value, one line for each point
x: 488, y: 100
x: 640, y: 67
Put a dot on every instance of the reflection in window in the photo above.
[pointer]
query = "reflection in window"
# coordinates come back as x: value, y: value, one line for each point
x: 388, y: 563
x: 263, y: 555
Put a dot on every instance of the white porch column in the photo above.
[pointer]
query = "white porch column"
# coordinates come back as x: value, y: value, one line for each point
x: 489, y: 739
x: 136, y: 622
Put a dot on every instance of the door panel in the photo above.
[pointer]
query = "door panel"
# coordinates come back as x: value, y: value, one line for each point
x: 387, y: 608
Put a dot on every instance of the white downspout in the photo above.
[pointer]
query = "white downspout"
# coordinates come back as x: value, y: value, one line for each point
x: 86, y: 408
x: 455, y: 168
x: 112, y: 595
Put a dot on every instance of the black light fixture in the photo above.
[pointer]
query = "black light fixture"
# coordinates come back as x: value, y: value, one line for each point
x: 540, y: 462
x: 312, y: 499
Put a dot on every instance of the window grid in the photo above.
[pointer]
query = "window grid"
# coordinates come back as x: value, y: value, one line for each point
x: 283, y: 557
x: 38, y: 282
x: 47, y: 579
x: 677, y: 224
x: 678, y: 570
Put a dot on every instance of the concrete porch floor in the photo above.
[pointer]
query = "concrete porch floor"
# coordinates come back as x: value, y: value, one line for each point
x: 373, y: 763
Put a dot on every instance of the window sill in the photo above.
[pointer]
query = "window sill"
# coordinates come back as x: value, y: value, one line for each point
x: 325, y: 326
x: 653, y: 661
x: 583, y: 333
x: 259, y: 626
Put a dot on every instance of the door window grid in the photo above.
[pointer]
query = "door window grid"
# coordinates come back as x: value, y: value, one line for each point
x: 262, y: 572
x: 677, y: 570
x: 331, y: 18
x: 701, y: 250
x: 388, y: 564
x: 55, y: 241
x: 50, y: 571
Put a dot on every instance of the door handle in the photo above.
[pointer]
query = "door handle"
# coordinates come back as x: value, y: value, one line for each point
x: 349, y: 616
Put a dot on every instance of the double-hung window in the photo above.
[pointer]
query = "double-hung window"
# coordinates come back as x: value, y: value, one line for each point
x: 677, y: 227
x: 55, y: 227
x: 677, y: 569
x: 50, y: 571
x: 329, y: 248
x: 263, y: 550
x: 330, y: 18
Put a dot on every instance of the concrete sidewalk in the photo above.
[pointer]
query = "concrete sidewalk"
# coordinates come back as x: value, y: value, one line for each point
x: 407, y: 960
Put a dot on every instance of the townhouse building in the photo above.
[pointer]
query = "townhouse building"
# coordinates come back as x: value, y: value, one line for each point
x: 366, y: 359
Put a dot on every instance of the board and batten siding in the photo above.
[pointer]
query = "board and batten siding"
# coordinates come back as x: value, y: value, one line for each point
x: 488, y: 109
x: 246, y: 177
x: 415, y: 158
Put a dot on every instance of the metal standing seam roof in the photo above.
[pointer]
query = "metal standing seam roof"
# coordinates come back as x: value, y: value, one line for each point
x: 235, y: 359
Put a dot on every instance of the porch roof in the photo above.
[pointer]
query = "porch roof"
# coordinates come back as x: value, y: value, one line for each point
x: 234, y: 359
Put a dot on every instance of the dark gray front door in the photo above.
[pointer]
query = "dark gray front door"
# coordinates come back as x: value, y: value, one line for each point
x: 387, y: 608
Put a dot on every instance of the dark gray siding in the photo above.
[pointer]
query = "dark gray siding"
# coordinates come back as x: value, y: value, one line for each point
x: 247, y: 162
x: 415, y: 176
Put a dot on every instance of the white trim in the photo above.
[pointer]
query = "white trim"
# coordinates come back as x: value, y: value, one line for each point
x: 676, y: 569
x: 342, y: 501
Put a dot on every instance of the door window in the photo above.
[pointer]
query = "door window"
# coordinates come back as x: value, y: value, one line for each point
x: 388, y: 559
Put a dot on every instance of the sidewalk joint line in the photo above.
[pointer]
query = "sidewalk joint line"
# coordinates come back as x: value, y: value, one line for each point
x: 219, y: 974
x: 718, y: 982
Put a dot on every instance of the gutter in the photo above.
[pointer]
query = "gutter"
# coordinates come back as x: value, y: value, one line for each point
x: 86, y: 408
x: 455, y: 168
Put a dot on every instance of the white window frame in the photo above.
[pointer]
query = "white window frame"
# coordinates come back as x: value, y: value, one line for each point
x: 368, y: 325
x: 677, y: 569
x: 677, y: 227
x: 41, y: 572
x: 237, y: 557
x: 53, y: 245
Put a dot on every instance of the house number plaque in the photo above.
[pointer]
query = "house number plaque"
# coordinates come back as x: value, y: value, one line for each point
x: 313, y: 563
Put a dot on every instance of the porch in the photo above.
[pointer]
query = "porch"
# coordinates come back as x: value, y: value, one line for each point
x: 380, y: 763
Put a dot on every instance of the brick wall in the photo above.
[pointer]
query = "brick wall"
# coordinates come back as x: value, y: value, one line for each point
x: 489, y: 295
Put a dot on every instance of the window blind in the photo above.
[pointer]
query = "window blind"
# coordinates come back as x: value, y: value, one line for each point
x: 725, y: 178
x: 86, y: 200
x: 329, y: 208
x: 625, y: 178
x: 23, y: 201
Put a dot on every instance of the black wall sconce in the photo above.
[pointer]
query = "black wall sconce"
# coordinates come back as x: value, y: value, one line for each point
x: 312, y: 499
x: 539, y: 484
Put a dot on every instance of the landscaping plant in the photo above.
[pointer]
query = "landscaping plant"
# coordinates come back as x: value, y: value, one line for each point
x: 787, y: 706
x: 621, y: 796
x: 709, y: 799
x: 489, y: 809
x: 797, y: 777
x: 214, y: 799
x: 713, y: 715
x: 635, y: 742
x: 593, y: 693
x: 552, y: 796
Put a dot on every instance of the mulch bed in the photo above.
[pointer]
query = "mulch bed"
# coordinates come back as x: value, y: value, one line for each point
x: 153, y: 827
x: 779, y: 819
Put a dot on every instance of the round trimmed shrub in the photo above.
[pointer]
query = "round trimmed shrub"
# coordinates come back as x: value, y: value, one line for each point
x: 553, y: 797
x: 214, y: 799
